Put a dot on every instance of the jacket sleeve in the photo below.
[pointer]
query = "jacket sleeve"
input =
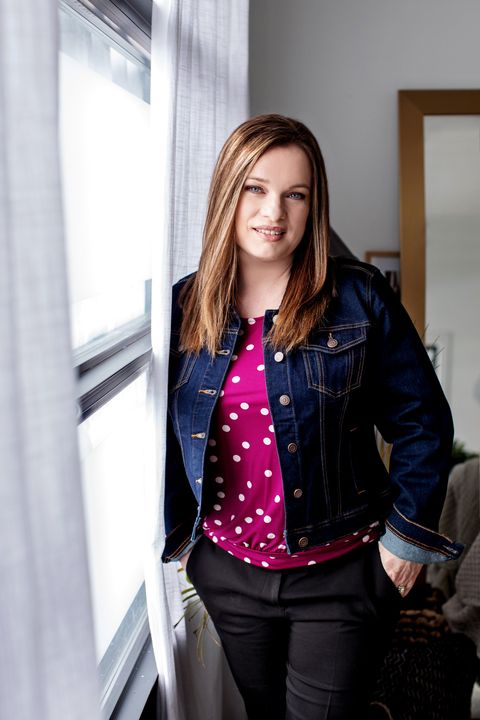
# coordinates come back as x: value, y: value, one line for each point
x: 180, y: 505
x: 412, y: 413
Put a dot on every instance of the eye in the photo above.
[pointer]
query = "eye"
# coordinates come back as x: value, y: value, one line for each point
x: 253, y: 188
x: 299, y: 195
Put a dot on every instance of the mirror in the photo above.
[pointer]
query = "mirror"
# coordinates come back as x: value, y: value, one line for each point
x: 440, y: 240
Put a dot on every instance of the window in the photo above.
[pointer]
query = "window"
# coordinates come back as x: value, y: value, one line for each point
x: 105, y: 144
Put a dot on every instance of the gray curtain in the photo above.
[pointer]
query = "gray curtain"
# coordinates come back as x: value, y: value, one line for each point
x: 199, y: 95
x: 47, y: 657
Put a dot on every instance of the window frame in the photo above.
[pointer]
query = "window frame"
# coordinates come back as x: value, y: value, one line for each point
x: 104, y: 367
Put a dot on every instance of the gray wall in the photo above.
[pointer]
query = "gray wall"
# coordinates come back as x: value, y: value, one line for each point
x: 337, y: 65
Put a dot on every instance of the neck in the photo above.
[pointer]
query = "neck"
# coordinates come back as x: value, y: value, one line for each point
x: 261, y: 286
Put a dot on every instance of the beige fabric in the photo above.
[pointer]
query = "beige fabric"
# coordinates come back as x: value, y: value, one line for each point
x: 460, y: 580
x: 460, y: 519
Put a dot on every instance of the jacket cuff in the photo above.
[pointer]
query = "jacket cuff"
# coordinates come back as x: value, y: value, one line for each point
x: 177, y: 543
x: 410, y: 541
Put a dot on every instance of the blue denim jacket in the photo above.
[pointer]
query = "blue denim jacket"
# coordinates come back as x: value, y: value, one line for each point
x: 363, y: 366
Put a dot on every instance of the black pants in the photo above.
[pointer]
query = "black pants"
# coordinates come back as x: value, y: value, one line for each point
x: 302, y: 644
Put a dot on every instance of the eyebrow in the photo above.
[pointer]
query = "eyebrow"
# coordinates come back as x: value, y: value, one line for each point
x: 263, y: 180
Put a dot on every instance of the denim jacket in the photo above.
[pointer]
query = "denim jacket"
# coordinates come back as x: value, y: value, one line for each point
x: 363, y: 366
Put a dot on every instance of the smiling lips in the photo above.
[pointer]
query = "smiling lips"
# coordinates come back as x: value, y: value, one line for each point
x: 271, y: 231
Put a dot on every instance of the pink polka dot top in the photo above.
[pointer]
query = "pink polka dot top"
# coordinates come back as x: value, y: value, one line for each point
x: 247, y: 518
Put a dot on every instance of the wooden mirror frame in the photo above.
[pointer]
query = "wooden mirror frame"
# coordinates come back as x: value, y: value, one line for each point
x: 413, y: 105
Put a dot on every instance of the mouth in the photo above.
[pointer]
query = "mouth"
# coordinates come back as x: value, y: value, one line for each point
x: 271, y: 234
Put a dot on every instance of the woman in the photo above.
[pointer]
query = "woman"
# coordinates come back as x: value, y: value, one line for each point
x: 278, y: 505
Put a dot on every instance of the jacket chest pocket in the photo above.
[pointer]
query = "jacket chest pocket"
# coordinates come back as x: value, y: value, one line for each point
x: 334, y: 361
x: 180, y: 368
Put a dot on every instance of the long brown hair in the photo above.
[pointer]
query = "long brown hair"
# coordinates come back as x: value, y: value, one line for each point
x: 209, y: 296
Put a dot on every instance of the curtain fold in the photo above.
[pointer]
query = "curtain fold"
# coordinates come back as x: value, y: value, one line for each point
x: 47, y: 655
x: 199, y: 95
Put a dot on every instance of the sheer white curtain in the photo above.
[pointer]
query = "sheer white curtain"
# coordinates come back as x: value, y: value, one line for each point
x: 47, y: 658
x: 199, y: 95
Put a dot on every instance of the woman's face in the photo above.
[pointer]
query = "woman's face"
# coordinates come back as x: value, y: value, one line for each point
x: 274, y: 205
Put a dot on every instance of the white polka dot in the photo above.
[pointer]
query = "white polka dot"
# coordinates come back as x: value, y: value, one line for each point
x: 219, y: 480
x: 214, y: 538
x: 264, y: 563
x: 217, y: 507
x: 247, y: 560
x: 249, y: 484
x: 223, y: 538
x: 282, y: 547
x: 212, y: 442
x: 251, y: 321
x: 250, y: 346
x: 294, y: 556
x: 213, y: 458
x: 233, y: 416
x: 238, y: 530
x: 270, y: 536
x: 241, y: 497
x: 217, y: 522
x: 270, y: 427
x: 221, y: 494
x: 226, y: 428
x: 236, y: 458
x: 245, y: 444
x: 327, y: 544
x: 262, y: 545
x: 236, y: 378
x: 264, y: 411
x: 366, y: 538
x: 248, y: 520
x: 232, y: 517
x: 374, y: 524
x: 229, y: 552
x: 356, y: 533
x: 245, y: 544
x: 222, y: 393
x: 276, y: 498
x: 312, y: 562
x: 234, y: 357
x: 259, y: 511
x: 272, y: 557
x: 268, y: 473
x: 244, y: 406
x: 267, y: 441
x: 267, y: 519
x: 261, y: 367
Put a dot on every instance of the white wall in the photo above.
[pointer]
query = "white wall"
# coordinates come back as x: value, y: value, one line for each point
x: 337, y: 66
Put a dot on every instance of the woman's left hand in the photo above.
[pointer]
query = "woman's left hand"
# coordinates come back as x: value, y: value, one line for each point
x: 402, y: 573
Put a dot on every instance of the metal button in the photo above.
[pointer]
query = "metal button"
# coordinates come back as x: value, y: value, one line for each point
x: 278, y: 357
x: 292, y: 447
x: 224, y: 351
x: 331, y: 342
x: 303, y: 542
x: 284, y: 400
x: 298, y: 492
x: 207, y: 391
x: 199, y: 435
x: 199, y: 481
x: 274, y: 318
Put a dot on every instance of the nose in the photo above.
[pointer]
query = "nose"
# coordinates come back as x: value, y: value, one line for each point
x: 273, y: 208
